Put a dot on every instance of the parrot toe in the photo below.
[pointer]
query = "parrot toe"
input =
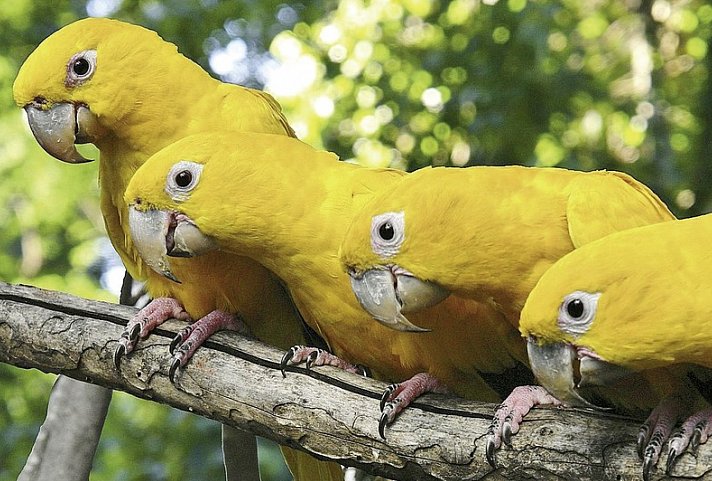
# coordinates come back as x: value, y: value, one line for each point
x: 397, y: 397
x: 314, y: 356
x: 190, y: 338
x: 509, y: 415
x: 693, y: 432
x: 147, y: 319
x: 657, y: 429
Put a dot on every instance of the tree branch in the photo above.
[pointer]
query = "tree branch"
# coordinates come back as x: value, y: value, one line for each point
x: 327, y: 412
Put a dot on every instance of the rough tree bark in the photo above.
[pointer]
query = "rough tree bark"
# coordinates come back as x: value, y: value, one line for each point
x: 329, y: 413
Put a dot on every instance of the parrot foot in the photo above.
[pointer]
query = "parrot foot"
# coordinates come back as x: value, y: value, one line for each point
x: 657, y: 429
x: 694, y: 431
x: 190, y: 338
x: 147, y: 319
x: 317, y: 357
x: 508, y: 416
x: 399, y: 396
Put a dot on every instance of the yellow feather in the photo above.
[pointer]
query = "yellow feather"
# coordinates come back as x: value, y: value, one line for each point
x: 147, y: 95
x: 291, y: 214
x: 655, y: 307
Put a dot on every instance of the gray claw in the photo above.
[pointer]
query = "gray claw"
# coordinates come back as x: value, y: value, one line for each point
x: 647, y: 466
x: 311, y: 359
x: 642, y: 440
x: 118, y: 354
x: 387, y: 395
x: 697, y: 435
x: 134, y: 332
x: 382, y: 423
x: 286, y: 358
x: 177, y: 341
x: 507, y: 433
x: 489, y: 450
x: 672, y: 456
x: 175, y: 364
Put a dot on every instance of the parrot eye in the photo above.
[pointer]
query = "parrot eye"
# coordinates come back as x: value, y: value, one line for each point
x: 575, y: 308
x: 80, y: 68
x: 182, y: 179
x: 577, y: 312
x: 387, y: 233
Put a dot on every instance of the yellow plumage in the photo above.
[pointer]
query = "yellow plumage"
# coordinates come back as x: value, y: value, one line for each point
x: 655, y: 305
x: 489, y: 233
x: 142, y: 95
x: 637, y: 300
x: 291, y: 216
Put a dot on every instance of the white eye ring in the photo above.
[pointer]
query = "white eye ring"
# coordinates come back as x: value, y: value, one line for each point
x: 182, y: 179
x: 387, y: 233
x: 577, y: 312
x: 80, y: 68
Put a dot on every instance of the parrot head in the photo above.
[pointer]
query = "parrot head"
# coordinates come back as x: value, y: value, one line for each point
x: 385, y: 252
x: 200, y: 194
x: 68, y: 85
x: 164, y: 196
x: 589, y: 320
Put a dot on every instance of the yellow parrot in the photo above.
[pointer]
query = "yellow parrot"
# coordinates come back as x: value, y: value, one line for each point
x: 635, y: 300
x: 129, y: 92
x: 287, y: 205
x: 488, y: 234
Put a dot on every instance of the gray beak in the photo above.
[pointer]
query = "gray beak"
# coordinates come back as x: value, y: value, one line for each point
x: 189, y: 241
x: 60, y: 127
x: 553, y: 366
x: 158, y: 235
x: 149, y: 231
x: 385, y: 296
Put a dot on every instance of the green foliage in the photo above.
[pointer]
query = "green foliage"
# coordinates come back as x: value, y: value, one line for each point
x: 611, y: 84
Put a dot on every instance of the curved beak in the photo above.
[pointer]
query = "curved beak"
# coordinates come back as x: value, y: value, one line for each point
x: 188, y: 239
x: 159, y: 234
x: 386, y: 296
x: 60, y: 127
x: 553, y: 366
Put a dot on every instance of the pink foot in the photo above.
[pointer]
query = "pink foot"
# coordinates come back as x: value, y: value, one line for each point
x: 399, y: 396
x: 657, y: 429
x: 147, y: 319
x: 508, y: 416
x: 317, y: 357
x: 188, y: 340
x: 694, y: 431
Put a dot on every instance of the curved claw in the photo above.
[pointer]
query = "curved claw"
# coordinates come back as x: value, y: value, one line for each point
x: 134, y: 332
x: 647, y: 466
x: 672, y: 457
x: 507, y: 433
x: 387, y: 395
x: 119, y: 352
x: 642, y: 440
x: 311, y: 359
x: 177, y: 341
x: 382, y: 423
x: 696, y: 437
x: 489, y: 451
x: 175, y: 364
x: 284, y: 362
